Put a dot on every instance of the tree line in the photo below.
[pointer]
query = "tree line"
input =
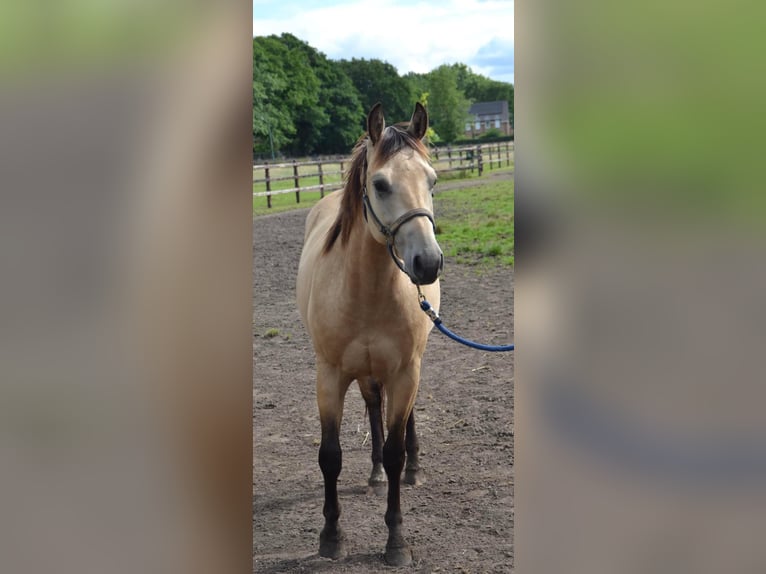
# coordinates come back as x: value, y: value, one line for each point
x: 307, y: 104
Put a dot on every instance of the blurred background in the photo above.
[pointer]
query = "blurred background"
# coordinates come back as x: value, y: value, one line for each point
x: 125, y: 391
x: 641, y: 441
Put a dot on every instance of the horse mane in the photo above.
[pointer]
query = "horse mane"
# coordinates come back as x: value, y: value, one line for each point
x: 394, y: 139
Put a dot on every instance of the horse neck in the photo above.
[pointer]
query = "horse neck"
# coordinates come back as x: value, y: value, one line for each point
x: 368, y: 265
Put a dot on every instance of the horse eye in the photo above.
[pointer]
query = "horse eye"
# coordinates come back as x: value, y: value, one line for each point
x: 381, y: 187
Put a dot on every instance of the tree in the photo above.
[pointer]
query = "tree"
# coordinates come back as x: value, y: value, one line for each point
x: 478, y: 88
x: 285, y: 90
x: 332, y: 125
x: 418, y: 83
x: 378, y: 81
x: 342, y: 101
x: 431, y: 136
x: 448, y: 105
x: 306, y: 101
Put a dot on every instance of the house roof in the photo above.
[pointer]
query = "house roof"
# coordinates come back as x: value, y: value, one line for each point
x: 485, y: 108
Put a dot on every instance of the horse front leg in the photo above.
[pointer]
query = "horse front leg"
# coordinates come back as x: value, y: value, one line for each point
x: 331, y: 391
x: 401, y: 396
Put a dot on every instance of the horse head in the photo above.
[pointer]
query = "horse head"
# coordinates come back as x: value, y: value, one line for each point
x: 398, y: 194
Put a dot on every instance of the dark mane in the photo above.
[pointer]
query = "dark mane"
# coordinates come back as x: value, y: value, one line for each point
x: 394, y: 139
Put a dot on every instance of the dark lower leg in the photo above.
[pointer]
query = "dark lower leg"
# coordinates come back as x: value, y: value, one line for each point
x: 331, y: 462
x: 397, y: 550
x: 412, y: 472
x: 375, y: 411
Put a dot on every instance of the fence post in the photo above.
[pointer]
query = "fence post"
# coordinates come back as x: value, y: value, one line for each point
x: 490, y: 156
x: 507, y: 153
x: 321, y: 180
x: 341, y: 170
x: 449, y: 156
x: 480, y: 162
x: 296, y: 179
x: 268, y: 187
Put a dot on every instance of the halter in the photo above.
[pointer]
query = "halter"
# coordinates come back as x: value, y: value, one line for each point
x: 389, y: 232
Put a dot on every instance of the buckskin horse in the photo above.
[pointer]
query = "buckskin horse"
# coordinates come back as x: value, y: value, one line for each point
x: 366, y: 250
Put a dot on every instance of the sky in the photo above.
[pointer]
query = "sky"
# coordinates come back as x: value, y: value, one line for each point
x: 413, y: 36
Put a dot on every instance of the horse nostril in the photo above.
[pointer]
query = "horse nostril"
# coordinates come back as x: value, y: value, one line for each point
x: 417, y: 266
x: 425, y: 269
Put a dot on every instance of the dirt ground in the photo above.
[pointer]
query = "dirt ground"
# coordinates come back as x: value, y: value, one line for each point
x: 461, y: 519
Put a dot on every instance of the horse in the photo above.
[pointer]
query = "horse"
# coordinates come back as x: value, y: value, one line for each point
x: 368, y: 250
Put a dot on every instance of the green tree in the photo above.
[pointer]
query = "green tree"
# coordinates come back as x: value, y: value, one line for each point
x: 285, y: 91
x: 342, y: 102
x: 418, y: 83
x: 301, y: 100
x: 305, y: 103
x: 478, y: 88
x: 448, y: 109
x: 431, y: 136
x: 378, y: 81
x: 332, y: 126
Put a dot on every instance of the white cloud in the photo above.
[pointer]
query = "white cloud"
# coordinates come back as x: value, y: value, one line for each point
x: 415, y: 36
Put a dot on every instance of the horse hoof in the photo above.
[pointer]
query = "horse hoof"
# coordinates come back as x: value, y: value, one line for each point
x: 333, y: 550
x: 414, y: 477
x: 399, y: 556
x: 378, y: 476
x: 332, y: 547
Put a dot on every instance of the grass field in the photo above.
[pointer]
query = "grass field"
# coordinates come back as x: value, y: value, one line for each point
x: 475, y: 224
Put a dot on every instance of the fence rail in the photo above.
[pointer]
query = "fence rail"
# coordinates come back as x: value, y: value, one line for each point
x: 445, y: 160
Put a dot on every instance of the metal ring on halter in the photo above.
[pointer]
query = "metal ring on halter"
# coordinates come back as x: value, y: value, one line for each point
x: 389, y: 232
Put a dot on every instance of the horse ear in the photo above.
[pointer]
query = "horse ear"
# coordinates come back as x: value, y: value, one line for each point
x: 419, y: 122
x: 376, y: 123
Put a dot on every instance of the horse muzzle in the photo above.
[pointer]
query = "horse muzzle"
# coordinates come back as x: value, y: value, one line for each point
x: 426, y: 267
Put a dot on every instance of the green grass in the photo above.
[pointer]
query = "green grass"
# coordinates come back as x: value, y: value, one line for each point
x: 475, y: 225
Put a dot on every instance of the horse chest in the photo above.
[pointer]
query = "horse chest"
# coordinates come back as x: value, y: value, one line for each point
x: 371, y: 344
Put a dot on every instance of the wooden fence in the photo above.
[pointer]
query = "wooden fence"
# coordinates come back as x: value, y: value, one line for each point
x: 326, y: 175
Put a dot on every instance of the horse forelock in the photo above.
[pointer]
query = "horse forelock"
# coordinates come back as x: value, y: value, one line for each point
x: 394, y: 139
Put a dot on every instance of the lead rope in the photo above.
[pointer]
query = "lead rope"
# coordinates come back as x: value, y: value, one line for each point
x: 434, y: 316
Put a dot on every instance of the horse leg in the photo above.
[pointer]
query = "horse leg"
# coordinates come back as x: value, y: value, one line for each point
x: 331, y: 390
x: 401, y: 397
x: 373, y: 399
x: 412, y: 472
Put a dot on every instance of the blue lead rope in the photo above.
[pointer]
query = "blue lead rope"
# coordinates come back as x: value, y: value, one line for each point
x: 428, y: 310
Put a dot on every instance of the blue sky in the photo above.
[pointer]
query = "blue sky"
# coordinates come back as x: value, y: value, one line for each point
x: 414, y: 35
